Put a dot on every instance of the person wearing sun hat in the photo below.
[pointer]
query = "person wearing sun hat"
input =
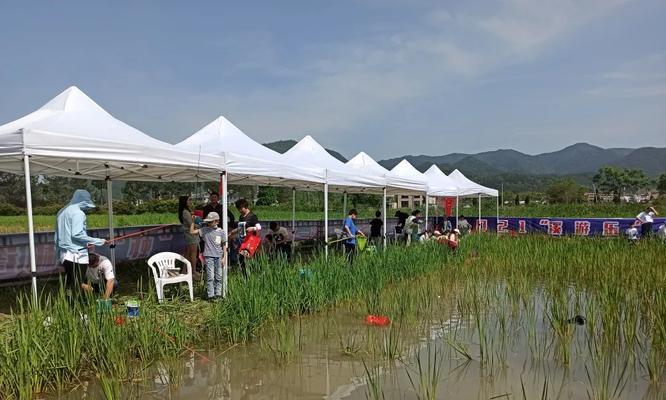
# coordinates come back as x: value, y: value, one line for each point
x: 647, y: 219
x: 215, y: 241
x: 72, y: 241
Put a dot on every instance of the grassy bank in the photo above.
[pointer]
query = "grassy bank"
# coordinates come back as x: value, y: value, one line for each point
x: 501, y: 285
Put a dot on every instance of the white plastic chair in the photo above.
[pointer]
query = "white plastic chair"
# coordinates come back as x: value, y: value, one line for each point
x: 163, y: 263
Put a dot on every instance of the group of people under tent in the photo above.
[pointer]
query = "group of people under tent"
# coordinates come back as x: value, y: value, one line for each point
x: 411, y: 229
x: 205, y: 241
x: 643, y: 226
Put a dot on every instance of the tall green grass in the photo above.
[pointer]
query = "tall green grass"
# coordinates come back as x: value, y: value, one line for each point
x: 508, y: 293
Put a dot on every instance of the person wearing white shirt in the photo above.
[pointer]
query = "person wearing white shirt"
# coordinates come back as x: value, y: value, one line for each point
x: 647, y: 218
x: 99, y: 275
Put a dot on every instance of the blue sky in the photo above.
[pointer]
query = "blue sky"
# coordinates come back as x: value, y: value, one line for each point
x: 390, y: 77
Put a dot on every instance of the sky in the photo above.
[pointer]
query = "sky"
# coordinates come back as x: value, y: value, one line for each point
x: 389, y: 77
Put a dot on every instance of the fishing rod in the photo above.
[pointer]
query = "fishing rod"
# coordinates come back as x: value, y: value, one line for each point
x: 118, y: 238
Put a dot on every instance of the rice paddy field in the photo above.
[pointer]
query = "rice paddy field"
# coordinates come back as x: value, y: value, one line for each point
x: 503, y: 317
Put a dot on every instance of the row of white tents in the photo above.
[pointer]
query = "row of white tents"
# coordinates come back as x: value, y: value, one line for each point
x: 72, y: 136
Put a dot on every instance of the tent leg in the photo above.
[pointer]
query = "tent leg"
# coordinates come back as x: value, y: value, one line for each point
x: 326, y: 220
x: 109, y: 200
x: 479, y: 210
x: 457, y: 211
x: 344, y: 205
x: 293, y: 221
x: 497, y: 215
x: 31, y: 228
x: 225, y: 227
x: 384, y: 216
x: 426, y: 213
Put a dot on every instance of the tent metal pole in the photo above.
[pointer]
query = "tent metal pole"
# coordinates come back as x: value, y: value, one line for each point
x: 457, y: 210
x: 225, y: 227
x: 109, y: 200
x: 31, y: 228
x: 344, y: 204
x: 384, y: 216
x: 479, y: 209
x: 326, y: 220
x: 426, y: 213
x: 293, y: 220
x: 497, y: 216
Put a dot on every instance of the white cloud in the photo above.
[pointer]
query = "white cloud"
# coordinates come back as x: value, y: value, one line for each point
x: 527, y: 25
x: 345, y: 84
x: 644, y: 77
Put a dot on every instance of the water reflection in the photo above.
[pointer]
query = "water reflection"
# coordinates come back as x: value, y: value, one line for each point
x: 335, y: 356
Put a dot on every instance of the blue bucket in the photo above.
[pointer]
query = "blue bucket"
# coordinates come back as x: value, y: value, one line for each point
x: 132, y: 309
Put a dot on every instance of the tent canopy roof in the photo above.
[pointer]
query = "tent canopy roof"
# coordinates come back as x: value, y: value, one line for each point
x: 395, y: 183
x: 245, y: 160
x: 406, y: 170
x: 73, y: 136
x: 340, y: 176
x: 469, y: 187
x: 439, y: 184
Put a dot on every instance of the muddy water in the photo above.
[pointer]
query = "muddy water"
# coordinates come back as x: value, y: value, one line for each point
x: 335, y: 355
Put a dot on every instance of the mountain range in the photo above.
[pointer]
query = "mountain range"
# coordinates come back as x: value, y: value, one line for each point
x: 580, y: 158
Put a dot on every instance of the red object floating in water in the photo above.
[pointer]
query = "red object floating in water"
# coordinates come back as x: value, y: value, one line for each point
x: 119, y: 320
x: 377, y: 320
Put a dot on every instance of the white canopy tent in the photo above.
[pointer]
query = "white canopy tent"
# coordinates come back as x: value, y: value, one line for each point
x: 441, y: 185
x: 339, y: 176
x: 470, y: 188
x: 395, y: 184
x: 248, y: 162
x: 405, y: 170
x: 245, y: 160
x: 72, y: 136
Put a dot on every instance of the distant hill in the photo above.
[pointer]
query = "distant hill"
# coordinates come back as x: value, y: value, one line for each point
x: 519, y: 171
x: 580, y: 158
x: 281, y: 146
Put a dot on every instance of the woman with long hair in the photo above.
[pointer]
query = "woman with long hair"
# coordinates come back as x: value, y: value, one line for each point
x: 187, y: 222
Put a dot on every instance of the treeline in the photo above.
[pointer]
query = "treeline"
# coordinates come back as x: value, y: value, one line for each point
x: 50, y: 194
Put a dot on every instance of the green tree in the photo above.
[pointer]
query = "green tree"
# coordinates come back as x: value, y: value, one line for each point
x: 661, y: 183
x: 618, y: 181
x: 267, y: 196
x: 565, y: 191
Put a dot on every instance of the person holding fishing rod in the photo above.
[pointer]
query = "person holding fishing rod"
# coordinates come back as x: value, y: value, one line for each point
x: 72, y: 240
x: 350, y: 231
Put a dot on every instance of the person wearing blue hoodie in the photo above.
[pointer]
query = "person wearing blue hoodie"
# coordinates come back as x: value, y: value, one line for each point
x: 72, y: 240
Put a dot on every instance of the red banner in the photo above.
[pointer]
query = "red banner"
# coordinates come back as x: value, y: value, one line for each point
x: 448, y: 205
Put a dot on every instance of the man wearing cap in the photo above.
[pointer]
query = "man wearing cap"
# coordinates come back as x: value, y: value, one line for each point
x: 647, y: 218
